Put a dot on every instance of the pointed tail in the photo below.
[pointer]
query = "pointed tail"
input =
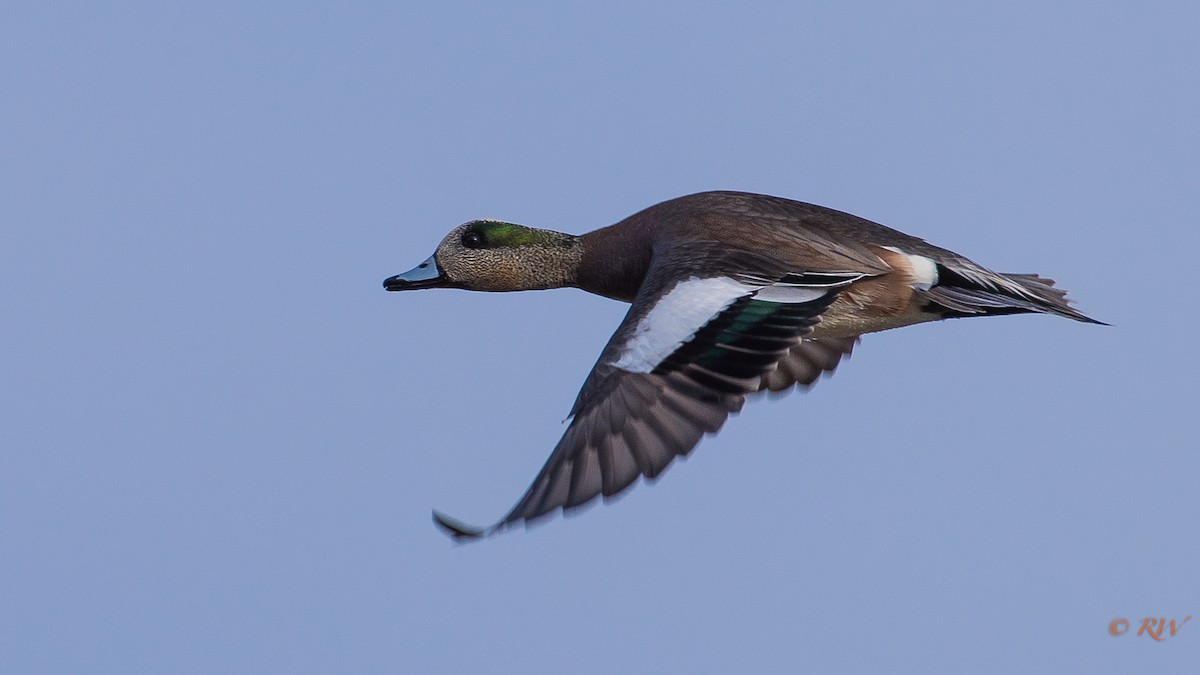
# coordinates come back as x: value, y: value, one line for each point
x: 956, y: 295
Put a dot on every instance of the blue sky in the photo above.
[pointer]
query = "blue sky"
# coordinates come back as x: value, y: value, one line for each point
x: 221, y: 439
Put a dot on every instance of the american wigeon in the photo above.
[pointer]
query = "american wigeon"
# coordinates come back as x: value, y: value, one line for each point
x: 733, y: 293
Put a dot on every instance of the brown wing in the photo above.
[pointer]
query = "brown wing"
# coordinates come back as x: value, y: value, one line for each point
x: 628, y: 424
x: 806, y: 361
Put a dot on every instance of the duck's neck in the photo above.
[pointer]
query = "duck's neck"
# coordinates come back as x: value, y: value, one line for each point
x: 614, y: 260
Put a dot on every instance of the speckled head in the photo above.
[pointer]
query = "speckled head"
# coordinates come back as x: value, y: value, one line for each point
x: 492, y: 255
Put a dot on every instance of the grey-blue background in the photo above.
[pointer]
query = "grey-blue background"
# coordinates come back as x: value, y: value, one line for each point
x: 221, y: 439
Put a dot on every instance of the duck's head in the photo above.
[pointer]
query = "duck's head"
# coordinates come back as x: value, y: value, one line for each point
x: 491, y: 255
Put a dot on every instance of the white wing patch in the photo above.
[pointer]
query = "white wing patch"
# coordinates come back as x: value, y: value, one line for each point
x: 790, y: 294
x: 690, y: 304
x: 676, y: 317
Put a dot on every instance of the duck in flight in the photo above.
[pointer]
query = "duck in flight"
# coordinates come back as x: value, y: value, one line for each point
x: 732, y: 294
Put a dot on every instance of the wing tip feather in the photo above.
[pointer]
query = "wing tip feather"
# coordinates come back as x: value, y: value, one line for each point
x: 459, y: 531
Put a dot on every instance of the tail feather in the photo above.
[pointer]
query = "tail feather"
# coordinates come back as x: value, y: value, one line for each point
x: 956, y: 295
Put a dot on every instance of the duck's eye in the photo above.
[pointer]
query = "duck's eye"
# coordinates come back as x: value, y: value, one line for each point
x: 472, y: 239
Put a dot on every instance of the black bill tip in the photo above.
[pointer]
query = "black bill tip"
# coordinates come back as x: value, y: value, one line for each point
x: 425, y: 275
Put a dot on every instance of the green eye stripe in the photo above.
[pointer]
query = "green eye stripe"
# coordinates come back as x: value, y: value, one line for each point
x: 498, y: 234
